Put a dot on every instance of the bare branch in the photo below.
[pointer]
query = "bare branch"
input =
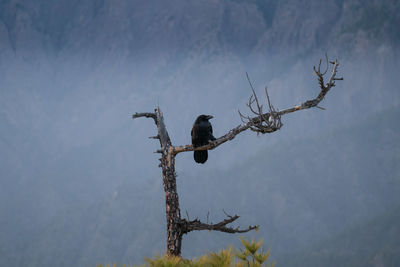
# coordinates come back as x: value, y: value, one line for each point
x: 271, y: 121
x: 187, y: 215
x: 250, y: 105
x: 324, y: 89
x: 263, y: 123
x: 212, y: 144
x: 242, y: 117
x: 144, y: 114
x: 269, y: 102
x: 226, y: 214
x: 162, y: 134
x: 197, y: 225
x: 255, y: 98
x: 327, y: 64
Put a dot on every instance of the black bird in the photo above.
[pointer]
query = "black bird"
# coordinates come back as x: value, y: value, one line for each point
x: 201, y: 135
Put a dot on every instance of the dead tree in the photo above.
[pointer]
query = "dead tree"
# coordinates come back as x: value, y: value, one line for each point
x: 260, y: 122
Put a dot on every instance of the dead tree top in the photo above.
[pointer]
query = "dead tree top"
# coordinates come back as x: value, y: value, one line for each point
x: 260, y: 122
x: 264, y: 122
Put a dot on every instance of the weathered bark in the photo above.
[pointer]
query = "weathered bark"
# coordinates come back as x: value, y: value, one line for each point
x: 173, y: 214
x: 262, y: 123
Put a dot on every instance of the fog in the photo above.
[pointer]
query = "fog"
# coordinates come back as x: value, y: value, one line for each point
x: 79, y: 178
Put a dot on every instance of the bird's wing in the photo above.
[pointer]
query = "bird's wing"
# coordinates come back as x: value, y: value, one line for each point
x: 210, y: 131
x: 193, y: 133
x: 209, y: 128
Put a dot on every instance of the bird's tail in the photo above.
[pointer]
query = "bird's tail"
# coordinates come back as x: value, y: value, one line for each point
x: 200, y: 156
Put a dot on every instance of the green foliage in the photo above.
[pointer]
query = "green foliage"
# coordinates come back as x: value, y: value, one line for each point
x: 223, y: 258
x: 249, y: 256
x: 168, y: 261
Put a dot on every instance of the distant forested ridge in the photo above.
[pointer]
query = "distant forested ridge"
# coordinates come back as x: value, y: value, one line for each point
x: 72, y: 167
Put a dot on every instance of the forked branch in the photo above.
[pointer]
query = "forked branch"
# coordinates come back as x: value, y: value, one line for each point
x: 271, y: 121
x: 263, y: 122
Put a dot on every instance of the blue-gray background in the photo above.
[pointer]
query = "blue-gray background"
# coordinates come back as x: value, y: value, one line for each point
x: 79, y: 182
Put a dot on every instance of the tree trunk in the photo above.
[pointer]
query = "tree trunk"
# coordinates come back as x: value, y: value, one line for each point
x: 173, y: 214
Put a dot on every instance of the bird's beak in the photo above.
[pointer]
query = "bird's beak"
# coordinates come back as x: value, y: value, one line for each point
x: 209, y: 117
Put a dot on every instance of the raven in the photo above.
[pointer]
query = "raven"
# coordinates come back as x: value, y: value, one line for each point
x: 201, y: 135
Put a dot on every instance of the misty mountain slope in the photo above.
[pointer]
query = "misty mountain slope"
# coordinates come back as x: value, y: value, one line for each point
x: 128, y: 49
x: 76, y: 67
x: 155, y: 28
x: 73, y: 72
x: 374, y: 243
x: 88, y: 234
x: 298, y: 192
